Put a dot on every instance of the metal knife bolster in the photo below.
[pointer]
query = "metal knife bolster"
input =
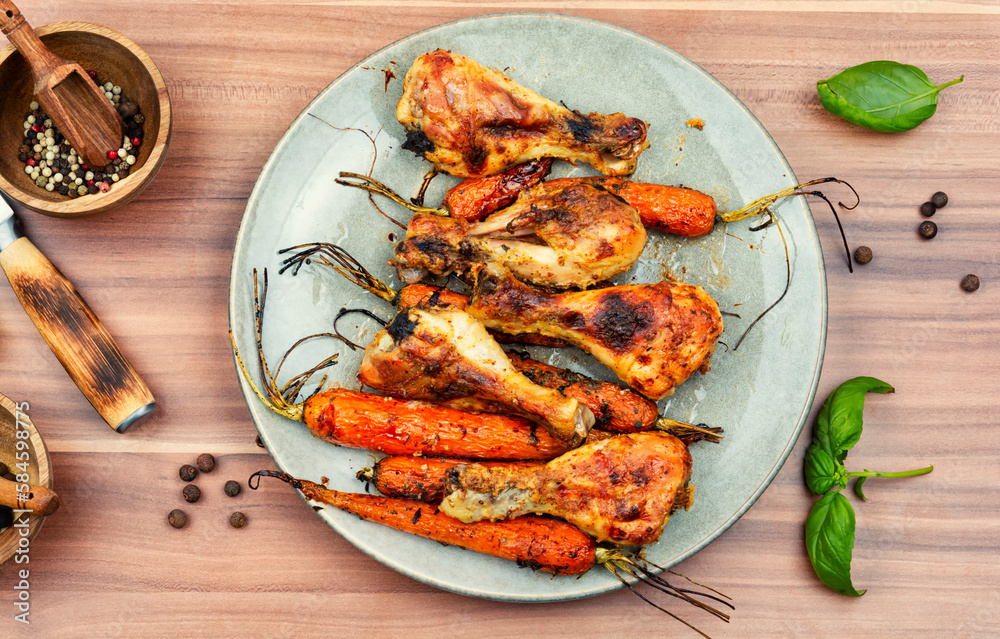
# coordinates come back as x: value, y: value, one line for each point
x: 10, y: 228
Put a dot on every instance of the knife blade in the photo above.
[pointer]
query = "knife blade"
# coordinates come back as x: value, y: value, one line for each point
x: 77, y: 338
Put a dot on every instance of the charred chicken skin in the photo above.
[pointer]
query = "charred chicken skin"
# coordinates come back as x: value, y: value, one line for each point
x: 557, y: 234
x: 653, y: 336
x: 471, y: 121
x: 440, y: 355
x: 622, y: 489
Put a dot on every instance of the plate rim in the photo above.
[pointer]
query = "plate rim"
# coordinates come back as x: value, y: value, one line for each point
x: 250, y: 398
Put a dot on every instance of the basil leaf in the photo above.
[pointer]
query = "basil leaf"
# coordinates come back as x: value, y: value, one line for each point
x: 830, y: 542
x: 857, y: 488
x: 838, y: 426
x: 821, y: 470
x: 882, y: 95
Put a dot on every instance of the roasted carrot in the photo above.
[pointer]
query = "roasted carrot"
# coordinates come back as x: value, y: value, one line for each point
x: 476, y: 198
x: 417, y: 478
x: 539, y: 543
x: 673, y: 209
x: 397, y: 427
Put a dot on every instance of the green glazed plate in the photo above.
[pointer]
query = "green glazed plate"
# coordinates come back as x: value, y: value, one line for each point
x: 761, y: 394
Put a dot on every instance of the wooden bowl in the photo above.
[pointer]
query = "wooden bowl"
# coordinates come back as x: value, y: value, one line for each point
x: 39, y: 469
x: 116, y: 59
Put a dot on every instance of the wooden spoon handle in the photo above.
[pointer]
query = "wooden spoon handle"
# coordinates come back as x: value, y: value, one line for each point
x: 39, y: 499
x: 21, y: 35
x: 83, y: 346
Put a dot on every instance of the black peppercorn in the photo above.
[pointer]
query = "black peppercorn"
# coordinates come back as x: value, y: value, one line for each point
x: 863, y: 255
x: 232, y: 488
x: 123, y: 172
x: 127, y: 109
x: 188, y: 472
x: 24, y: 149
x: 237, y: 520
x: 22, y: 157
x: 970, y: 283
x: 928, y: 209
x: 139, y: 118
x: 928, y: 230
x: 63, y: 189
x: 110, y: 168
x: 177, y: 518
x: 206, y: 463
x: 191, y: 493
x: 940, y: 199
x: 92, y: 189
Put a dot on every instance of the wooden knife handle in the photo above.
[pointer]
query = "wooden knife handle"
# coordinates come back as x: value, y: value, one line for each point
x: 84, y: 347
x: 22, y: 36
x: 39, y: 499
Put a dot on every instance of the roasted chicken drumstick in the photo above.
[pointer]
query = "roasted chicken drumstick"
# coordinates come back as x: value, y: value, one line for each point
x: 653, y: 336
x: 444, y: 354
x: 621, y: 489
x: 558, y: 234
x: 471, y: 121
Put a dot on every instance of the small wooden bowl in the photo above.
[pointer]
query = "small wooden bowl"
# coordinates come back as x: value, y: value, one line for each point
x: 39, y: 470
x: 116, y: 59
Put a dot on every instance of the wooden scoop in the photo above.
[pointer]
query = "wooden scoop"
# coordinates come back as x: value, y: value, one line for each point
x: 69, y: 97
x: 39, y: 499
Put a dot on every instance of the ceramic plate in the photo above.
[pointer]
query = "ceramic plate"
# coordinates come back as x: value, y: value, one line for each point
x: 760, y: 394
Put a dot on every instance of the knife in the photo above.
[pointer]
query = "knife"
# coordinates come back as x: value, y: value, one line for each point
x: 83, y: 346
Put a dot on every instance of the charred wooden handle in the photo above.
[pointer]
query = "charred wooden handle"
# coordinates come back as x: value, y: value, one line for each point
x: 22, y: 36
x: 84, y: 347
x: 38, y: 499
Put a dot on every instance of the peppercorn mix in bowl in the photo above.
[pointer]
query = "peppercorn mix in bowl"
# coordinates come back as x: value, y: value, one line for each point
x: 36, y: 164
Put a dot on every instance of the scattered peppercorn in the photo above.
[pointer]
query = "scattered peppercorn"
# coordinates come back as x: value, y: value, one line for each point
x: 928, y: 209
x: 191, y: 493
x: 237, y: 520
x: 940, y: 199
x: 863, y: 255
x: 206, y: 463
x: 970, y: 283
x: 177, y: 518
x: 232, y: 488
x: 928, y: 230
x: 188, y: 472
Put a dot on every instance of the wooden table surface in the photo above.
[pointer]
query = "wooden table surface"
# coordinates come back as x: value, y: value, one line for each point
x: 156, y: 273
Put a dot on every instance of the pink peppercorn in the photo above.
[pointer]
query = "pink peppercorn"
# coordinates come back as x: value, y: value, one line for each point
x: 36, y: 128
x: 31, y: 162
x: 92, y: 74
x: 112, y: 155
x: 90, y: 183
x: 136, y: 141
x: 105, y: 187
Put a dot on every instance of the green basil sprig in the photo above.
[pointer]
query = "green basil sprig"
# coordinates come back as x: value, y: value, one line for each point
x: 882, y: 95
x: 830, y: 525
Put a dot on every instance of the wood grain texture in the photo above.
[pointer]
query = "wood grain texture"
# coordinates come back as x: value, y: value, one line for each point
x: 156, y: 272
